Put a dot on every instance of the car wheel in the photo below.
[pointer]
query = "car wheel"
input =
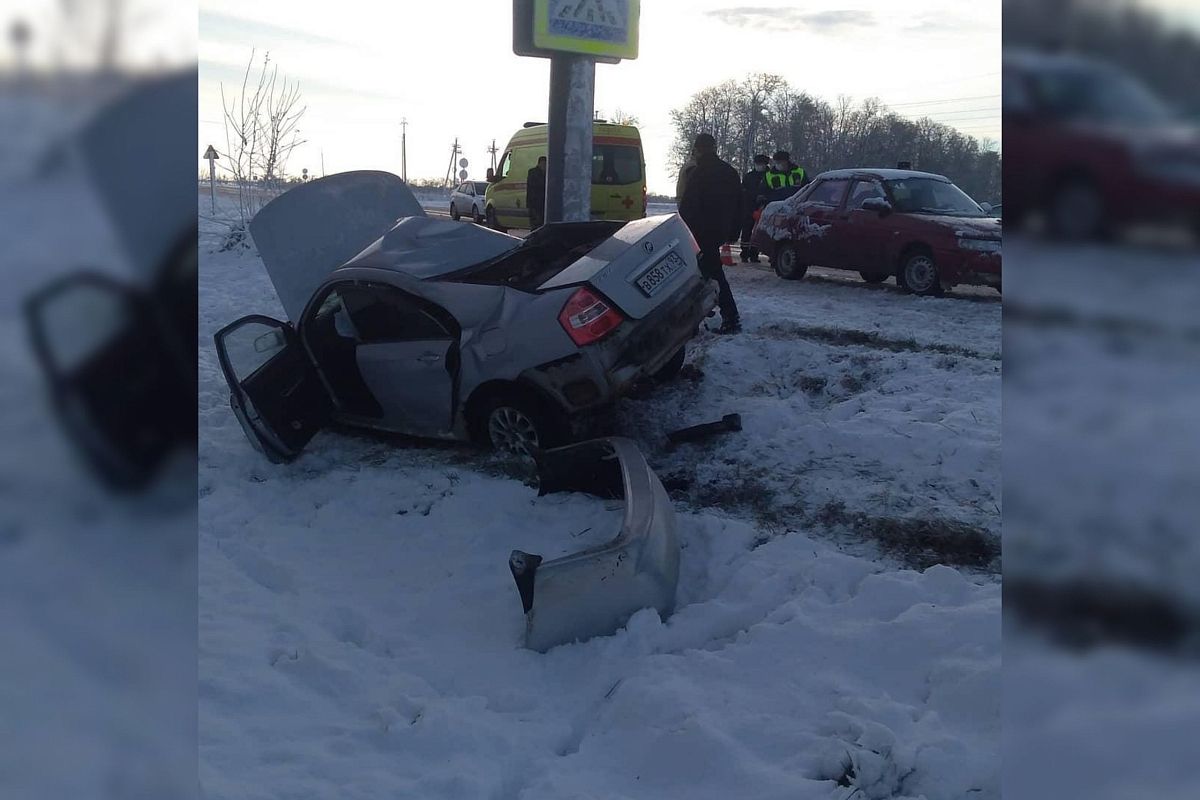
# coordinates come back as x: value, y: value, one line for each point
x: 786, y: 262
x: 475, y: 215
x: 518, y: 423
x: 874, y: 277
x: 454, y: 215
x: 490, y: 216
x: 670, y: 370
x: 1077, y: 210
x: 919, y: 274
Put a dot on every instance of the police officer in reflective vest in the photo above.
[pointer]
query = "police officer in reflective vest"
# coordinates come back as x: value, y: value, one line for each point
x: 783, y: 178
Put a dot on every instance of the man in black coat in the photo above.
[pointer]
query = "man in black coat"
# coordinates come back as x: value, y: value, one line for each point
x: 754, y: 191
x: 711, y: 204
x: 535, y: 194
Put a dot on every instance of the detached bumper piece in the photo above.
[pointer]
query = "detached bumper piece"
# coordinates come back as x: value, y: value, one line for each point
x: 594, y: 592
x: 730, y: 423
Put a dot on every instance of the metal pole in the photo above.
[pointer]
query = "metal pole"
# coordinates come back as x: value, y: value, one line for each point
x: 569, y: 145
x: 212, y: 184
x: 404, y: 149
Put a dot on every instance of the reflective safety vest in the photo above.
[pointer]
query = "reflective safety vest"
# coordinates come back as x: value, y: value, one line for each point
x: 778, y: 180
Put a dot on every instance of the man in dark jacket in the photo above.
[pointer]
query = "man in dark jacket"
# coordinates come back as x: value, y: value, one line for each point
x: 535, y: 194
x: 754, y: 193
x: 710, y: 204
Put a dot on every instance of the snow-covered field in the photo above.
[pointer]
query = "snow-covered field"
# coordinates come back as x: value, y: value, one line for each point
x: 359, y: 630
x: 1101, y: 442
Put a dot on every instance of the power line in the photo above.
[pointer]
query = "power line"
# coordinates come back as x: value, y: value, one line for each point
x: 962, y: 118
x: 940, y: 102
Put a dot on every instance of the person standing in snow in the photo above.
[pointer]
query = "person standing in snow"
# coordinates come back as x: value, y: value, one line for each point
x: 710, y: 204
x: 535, y: 194
x: 753, y: 198
x: 784, y: 178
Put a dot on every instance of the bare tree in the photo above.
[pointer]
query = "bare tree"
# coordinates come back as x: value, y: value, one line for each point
x: 260, y: 134
x: 620, y: 117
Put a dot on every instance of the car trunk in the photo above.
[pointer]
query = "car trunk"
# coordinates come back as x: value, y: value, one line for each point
x: 637, y: 266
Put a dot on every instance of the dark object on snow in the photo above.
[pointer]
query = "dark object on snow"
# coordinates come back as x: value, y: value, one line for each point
x: 730, y: 423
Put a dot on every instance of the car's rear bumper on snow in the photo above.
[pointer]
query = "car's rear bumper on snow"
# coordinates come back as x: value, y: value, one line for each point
x: 594, y: 592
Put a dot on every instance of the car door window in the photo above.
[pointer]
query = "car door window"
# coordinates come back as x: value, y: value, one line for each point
x: 862, y: 191
x: 505, y: 165
x: 386, y: 314
x: 251, y: 345
x: 828, y: 193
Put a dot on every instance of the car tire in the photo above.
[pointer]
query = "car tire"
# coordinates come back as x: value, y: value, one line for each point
x: 516, y: 421
x: 490, y: 216
x: 1076, y: 212
x: 454, y: 215
x: 874, y: 277
x: 670, y: 370
x: 919, y: 274
x: 476, y: 216
x: 786, y: 262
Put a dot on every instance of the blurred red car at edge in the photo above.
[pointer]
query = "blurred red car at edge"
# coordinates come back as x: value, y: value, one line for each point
x: 1092, y: 149
x: 917, y: 226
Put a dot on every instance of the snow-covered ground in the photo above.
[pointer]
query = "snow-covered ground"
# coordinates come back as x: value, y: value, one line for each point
x: 97, y: 593
x: 359, y: 630
x: 1101, y: 443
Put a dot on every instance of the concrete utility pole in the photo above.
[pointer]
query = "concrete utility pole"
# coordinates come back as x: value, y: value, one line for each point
x: 492, y: 150
x: 454, y: 151
x: 404, y: 148
x: 569, y: 145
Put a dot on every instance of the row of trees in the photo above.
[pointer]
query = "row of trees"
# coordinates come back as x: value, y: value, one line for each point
x: 1139, y: 40
x: 762, y: 114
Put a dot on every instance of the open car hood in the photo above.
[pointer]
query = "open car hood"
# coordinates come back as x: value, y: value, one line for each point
x: 309, y: 231
x: 594, y: 592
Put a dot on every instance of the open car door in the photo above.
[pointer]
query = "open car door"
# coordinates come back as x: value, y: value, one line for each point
x: 275, y: 390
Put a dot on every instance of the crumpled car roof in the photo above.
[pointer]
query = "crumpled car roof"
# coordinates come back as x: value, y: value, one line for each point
x: 426, y: 247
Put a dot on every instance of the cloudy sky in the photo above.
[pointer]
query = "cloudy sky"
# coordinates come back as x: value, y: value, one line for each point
x: 449, y: 69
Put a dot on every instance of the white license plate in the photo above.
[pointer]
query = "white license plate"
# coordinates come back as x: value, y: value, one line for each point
x: 653, y: 279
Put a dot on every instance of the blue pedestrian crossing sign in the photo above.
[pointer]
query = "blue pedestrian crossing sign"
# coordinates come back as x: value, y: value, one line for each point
x: 603, y: 29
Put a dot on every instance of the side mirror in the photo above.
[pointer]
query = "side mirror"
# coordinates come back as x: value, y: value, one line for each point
x: 491, y: 175
x: 878, y: 205
x: 987, y: 207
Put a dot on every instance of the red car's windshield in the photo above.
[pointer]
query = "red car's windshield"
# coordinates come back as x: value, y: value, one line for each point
x: 931, y: 196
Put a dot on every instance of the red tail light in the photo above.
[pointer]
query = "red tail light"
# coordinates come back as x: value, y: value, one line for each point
x: 587, y: 318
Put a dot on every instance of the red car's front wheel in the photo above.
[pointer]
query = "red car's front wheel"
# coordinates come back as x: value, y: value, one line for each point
x: 919, y: 274
x: 787, y: 264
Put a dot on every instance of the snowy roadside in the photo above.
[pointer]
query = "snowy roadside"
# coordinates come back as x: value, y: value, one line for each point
x: 360, y: 632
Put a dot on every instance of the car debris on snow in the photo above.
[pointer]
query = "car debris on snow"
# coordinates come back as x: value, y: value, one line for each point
x: 594, y: 592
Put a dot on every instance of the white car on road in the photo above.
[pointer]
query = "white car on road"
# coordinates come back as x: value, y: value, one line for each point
x: 467, y: 198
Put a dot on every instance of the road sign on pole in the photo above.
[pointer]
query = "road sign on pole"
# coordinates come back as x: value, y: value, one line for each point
x: 404, y: 149
x: 597, y: 28
x: 462, y: 174
x: 574, y: 35
x: 211, y: 155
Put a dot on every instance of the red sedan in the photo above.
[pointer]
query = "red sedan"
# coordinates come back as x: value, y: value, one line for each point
x: 917, y: 226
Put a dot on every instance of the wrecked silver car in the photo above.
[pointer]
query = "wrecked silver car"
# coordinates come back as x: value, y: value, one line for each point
x: 404, y: 323
x: 594, y: 592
